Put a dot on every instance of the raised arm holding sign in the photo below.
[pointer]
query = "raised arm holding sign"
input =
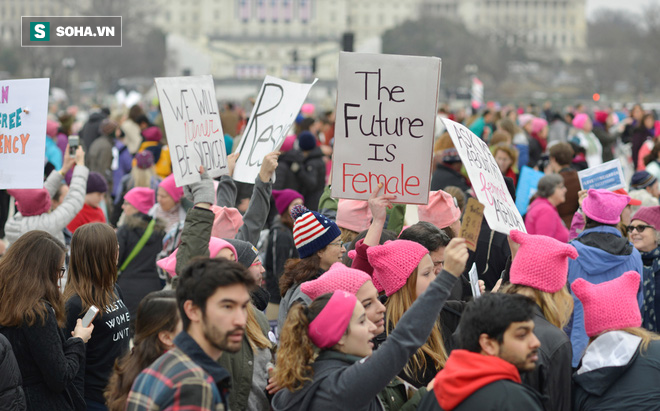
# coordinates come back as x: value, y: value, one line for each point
x: 192, y: 123
x: 386, y: 110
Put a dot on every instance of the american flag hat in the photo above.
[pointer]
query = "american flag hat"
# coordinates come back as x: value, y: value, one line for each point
x: 312, y: 231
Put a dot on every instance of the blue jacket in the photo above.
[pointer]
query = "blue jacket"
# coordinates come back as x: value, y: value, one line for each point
x: 598, y: 265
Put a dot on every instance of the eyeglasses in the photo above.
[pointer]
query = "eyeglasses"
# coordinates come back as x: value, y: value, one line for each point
x: 640, y: 228
x: 255, y: 263
x: 338, y: 243
x: 62, y: 270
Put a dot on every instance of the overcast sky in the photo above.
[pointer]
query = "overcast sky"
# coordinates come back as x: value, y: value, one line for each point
x: 634, y: 6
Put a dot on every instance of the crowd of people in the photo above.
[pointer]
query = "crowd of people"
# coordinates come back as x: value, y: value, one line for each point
x: 274, y: 295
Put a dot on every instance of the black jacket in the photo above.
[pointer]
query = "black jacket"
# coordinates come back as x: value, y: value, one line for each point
x: 281, y: 247
x: 632, y: 386
x: 501, y: 395
x: 140, y: 276
x: 291, y: 173
x: 552, y: 376
x: 49, y: 364
x: 444, y: 176
x: 12, y: 397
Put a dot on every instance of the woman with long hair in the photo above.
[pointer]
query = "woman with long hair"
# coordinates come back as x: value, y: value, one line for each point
x: 92, y: 282
x: 539, y: 271
x: 318, y: 241
x: 156, y: 324
x: 32, y: 316
x: 322, y: 346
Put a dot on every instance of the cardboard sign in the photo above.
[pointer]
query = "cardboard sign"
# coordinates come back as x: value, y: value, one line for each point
x: 608, y: 176
x: 486, y: 178
x: 274, y: 112
x: 192, y: 124
x: 527, y: 184
x: 471, y: 224
x: 386, y: 112
x: 23, y: 114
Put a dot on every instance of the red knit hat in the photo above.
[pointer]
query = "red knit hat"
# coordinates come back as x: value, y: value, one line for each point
x: 393, y: 262
x: 284, y: 198
x: 142, y: 198
x: 541, y: 262
x: 611, y: 305
x: 30, y: 202
x: 441, y: 211
x: 338, y: 277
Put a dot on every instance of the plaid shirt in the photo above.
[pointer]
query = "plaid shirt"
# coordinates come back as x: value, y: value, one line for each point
x: 184, y: 378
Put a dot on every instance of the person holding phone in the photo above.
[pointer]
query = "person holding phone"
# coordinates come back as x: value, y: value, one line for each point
x: 92, y: 282
x: 32, y: 316
x: 33, y: 205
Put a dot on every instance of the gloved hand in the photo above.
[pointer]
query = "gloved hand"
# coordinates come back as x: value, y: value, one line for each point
x: 202, y: 191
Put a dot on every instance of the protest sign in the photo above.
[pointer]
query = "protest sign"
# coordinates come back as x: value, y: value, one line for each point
x: 608, y: 176
x: 275, y: 110
x: 527, y: 185
x: 386, y: 111
x: 23, y: 114
x: 471, y: 224
x: 486, y: 178
x: 473, y: 274
x: 192, y: 124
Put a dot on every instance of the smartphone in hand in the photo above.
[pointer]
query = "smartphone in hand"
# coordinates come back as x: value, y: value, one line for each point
x: 74, y: 142
x: 89, y: 316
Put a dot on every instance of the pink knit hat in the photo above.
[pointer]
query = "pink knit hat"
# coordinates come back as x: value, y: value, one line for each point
x: 168, y: 264
x: 393, y: 262
x: 441, y: 211
x: 579, y: 120
x: 142, y: 198
x: 649, y: 215
x: 611, y: 305
x: 541, y: 262
x: 604, y: 206
x: 226, y: 222
x: 284, y: 198
x: 30, y: 202
x: 169, y: 185
x: 338, y: 277
x: 524, y: 119
x: 538, y: 124
x: 353, y: 215
x: 51, y: 128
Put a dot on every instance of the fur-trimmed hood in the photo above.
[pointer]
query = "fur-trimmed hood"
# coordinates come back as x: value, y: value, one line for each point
x: 140, y: 220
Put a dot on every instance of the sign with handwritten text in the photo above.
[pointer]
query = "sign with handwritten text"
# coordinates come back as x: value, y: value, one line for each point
x: 275, y: 110
x: 471, y: 224
x: 23, y: 114
x: 386, y: 111
x: 487, y: 180
x: 192, y: 124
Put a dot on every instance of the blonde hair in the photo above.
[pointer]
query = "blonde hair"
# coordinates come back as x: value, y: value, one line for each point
x: 142, y: 177
x: 556, y: 307
x: 646, y: 336
x: 254, y: 332
x: 347, y: 236
x: 397, y: 304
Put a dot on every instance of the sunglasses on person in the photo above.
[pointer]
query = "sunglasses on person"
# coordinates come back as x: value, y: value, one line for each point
x: 640, y: 228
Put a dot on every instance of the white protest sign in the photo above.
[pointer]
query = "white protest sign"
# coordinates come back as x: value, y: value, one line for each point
x: 486, y: 178
x: 386, y: 112
x: 192, y: 123
x: 23, y: 114
x: 608, y: 176
x: 275, y: 110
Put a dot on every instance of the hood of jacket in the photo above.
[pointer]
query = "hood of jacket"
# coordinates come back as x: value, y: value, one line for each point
x: 601, y: 249
x: 606, y: 360
x: 327, y: 362
x: 140, y: 220
x: 466, y: 372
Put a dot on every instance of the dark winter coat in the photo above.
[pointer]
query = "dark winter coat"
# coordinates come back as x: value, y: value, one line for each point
x: 303, y: 173
x: 444, y: 176
x: 552, y: 375
x: 49, y: 364
x: 91, y: 129
x: 632, y: 385
x: 140, y: 277
x: 281, y: 247
x: 501, y: 395
x: 12, y: 397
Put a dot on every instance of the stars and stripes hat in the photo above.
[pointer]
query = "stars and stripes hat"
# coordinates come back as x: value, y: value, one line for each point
x: 312, y: 231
